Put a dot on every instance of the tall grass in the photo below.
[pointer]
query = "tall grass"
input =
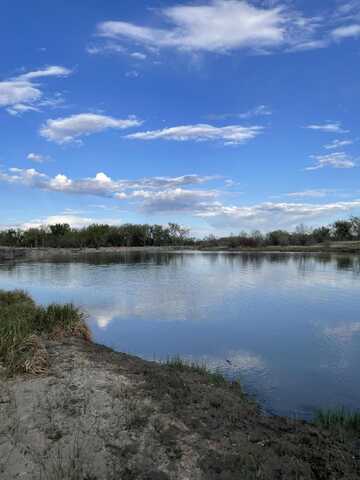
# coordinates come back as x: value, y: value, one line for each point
x: 23, y: 324
x: 338, y: 418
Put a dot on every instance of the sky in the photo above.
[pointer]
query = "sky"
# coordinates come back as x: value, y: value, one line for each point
x: 220, y: 115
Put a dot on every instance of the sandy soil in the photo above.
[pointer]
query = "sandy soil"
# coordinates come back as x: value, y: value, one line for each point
x: 100, y: 415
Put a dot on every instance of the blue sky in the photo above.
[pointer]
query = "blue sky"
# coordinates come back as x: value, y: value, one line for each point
x: 222, y: 115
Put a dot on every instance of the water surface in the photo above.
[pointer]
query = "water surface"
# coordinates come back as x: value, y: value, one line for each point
x: 287, y: 324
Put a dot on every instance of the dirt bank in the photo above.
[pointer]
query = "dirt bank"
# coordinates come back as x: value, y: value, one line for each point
x: 56, y: 254
x: 103, y: 415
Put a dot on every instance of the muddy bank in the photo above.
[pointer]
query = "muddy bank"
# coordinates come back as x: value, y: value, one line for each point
x: 35, y: 254
x: 12, y: 253
x: 100, y: 415
x: 56, y: 254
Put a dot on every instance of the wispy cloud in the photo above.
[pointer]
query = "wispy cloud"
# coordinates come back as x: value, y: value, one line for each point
x: 70, y: 129
x: 21, y: 94
x: 272, y: 215
x: 230, y: 135
x: 331, y: 127
x: 335, y: 160
x: 37, y: 158
x: 259, y: 111
x: 319, y: 193
x: 173, y: 200
x: 338, y: 144
x: 348, y: 31
x: 75, y: 221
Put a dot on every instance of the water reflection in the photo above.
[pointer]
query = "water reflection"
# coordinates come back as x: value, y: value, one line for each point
x: 287, y: 324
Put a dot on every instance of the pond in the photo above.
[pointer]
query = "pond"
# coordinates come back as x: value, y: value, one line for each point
x: 286, y: 325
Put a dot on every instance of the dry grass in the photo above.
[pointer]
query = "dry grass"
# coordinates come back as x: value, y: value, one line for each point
x: 24, y: 325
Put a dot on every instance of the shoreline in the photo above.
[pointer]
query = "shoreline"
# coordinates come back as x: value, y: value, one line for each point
x: 10, y: 253
x: 112, y: 415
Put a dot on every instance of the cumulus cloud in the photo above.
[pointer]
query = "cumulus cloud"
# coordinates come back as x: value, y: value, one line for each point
x: 230, y: 135
x: 218, y: 26
x: 69, y: 129
x: 335, y: 160
x: 101, y: 185
x: 20, y: 94
x: 172, y: 195
x: 331, y: 127
x: 223, y: 26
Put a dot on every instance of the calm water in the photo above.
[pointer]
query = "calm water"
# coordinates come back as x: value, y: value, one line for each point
x: 287, y: 325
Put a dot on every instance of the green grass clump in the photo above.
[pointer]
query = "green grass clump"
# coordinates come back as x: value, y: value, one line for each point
x: 23, y: 324
x: 338, y: 419
x: 14, y: 297
x: 215, y: 378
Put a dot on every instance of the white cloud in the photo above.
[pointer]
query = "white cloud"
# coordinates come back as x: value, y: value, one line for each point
x: 20, y: 94
x: 132, y: 74
x: 170, y: 200
x: 230, y: 135
x: 338, y: 144
x: 138, y: 56
x: 36, y: 157
x: 218, y: 26
x: 75, y: 221
x: 69, y: 129
x: 272, y: 215
x: 331, y: 127
x: 53, y: 71
x: 259, y: 111
x: 14, y: 92
x: 320, y: 193
x: 20, y: 108
x: 335, y: 160
x: 168, y: 195
x: 101, y: 185
x: 347, y: 31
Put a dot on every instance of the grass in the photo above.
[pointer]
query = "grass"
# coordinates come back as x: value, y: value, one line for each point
x: 23, y: 325
x: 180, y: 365
x: 339, y: 418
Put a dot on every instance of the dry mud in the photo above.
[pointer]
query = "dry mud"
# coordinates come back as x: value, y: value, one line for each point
x: 102, y: 415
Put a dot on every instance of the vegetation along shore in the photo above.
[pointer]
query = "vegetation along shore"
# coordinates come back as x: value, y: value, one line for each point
x: 343, y: 236
x: 71, y: 409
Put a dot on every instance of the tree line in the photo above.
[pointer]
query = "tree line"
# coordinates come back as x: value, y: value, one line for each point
x: 339, y: 231
x: 134, y: 235
x: 96, y: 236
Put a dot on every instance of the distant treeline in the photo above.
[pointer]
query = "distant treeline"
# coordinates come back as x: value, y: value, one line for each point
x: 341, y: 230
x: 96, y: 235
x: 131, y: 235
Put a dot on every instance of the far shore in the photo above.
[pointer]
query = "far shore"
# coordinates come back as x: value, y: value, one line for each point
x: 25, y: 253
